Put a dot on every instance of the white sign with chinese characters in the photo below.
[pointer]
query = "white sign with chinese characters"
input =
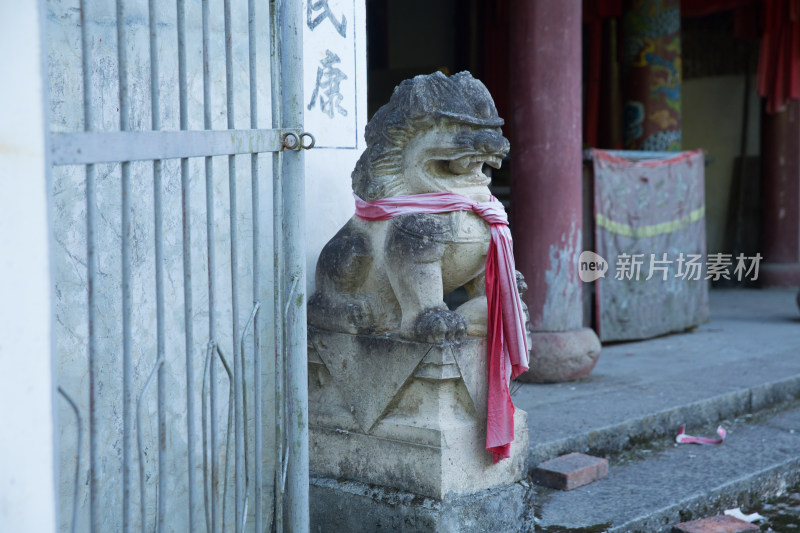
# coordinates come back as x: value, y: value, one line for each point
x: 331, y: 76
x: 335, y: 106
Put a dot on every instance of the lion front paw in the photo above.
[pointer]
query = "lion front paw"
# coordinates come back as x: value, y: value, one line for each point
x: 435, y: 326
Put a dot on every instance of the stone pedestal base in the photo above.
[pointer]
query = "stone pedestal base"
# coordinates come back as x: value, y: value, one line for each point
x: 338, y: 506
x: 434, y: 463
x: 405, y: 415
x: 562, y: 355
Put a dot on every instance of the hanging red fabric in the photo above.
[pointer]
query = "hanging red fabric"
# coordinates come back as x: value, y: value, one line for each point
x: 506, y: 343
x: 779, y: 54
x: 702, y: 8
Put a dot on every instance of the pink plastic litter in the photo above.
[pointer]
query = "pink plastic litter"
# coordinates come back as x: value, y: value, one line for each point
x: 683, y: 438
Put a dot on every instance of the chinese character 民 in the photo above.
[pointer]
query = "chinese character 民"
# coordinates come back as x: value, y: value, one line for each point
x: 329, y: 77
x: 663, y: 266
x: 628, y: 266
x: 314, y: 21
x: 689, y: 267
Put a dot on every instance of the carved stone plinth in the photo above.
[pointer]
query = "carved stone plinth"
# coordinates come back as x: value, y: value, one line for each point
x: 405, y: 415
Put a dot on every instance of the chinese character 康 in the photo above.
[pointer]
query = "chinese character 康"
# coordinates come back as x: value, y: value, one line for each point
x: 329, y: 77
x: 313, y: 22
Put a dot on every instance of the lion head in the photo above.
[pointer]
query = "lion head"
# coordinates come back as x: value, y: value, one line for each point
x: 435, y: 134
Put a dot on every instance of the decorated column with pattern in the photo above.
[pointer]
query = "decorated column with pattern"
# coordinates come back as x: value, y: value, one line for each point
x: 651, y: 74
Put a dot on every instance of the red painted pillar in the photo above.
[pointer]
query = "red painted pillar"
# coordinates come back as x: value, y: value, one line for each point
x: 546, y: 183
x: 780, y: 242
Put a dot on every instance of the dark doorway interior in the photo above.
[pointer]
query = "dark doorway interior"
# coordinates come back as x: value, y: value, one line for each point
x: 410, y: 37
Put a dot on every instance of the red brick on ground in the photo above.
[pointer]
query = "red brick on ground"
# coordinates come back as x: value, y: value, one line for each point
x: 715, y: 524
x: 570, y: 471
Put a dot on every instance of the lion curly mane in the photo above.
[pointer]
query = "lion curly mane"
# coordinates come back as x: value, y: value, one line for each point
x: 416, y: 105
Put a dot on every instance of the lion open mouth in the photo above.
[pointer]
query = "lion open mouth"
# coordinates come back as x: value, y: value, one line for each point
x: 470, y: 168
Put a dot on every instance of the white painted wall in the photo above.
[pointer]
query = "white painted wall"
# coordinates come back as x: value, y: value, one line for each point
x: 712, y: 120
x: 340, y: 139
x: 27, y: 483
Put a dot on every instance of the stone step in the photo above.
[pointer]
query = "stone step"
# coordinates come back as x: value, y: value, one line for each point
x: 659, y: 484
x: 742, y: 369
x: 627, y: 433
x: 745, y: 360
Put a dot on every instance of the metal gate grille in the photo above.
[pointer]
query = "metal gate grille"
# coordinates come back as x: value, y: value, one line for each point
x: 193, y: 415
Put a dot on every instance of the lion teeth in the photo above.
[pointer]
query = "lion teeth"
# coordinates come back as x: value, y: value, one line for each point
x: 473, y: 163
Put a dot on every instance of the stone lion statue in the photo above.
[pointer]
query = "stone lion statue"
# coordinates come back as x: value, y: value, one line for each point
x: 435, y: 134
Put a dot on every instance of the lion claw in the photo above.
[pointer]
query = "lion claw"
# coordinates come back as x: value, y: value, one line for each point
x: 435, y: 326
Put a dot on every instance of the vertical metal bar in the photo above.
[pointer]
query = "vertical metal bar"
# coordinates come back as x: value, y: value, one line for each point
x: 204, y: 425
x: 238, y: 382
x: 255, y: 193
x: 79, y: 445
x: 44, y: 123
x: 275, y: 10
x: 139, y: 445
x: 159, y: 260
x: 187, y: 264
x: 228, y: 430
x: 212, y: 315
x: 91, y: 272
x: 245, y: 438
x: 294, y: 245
x: 127, y: 396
